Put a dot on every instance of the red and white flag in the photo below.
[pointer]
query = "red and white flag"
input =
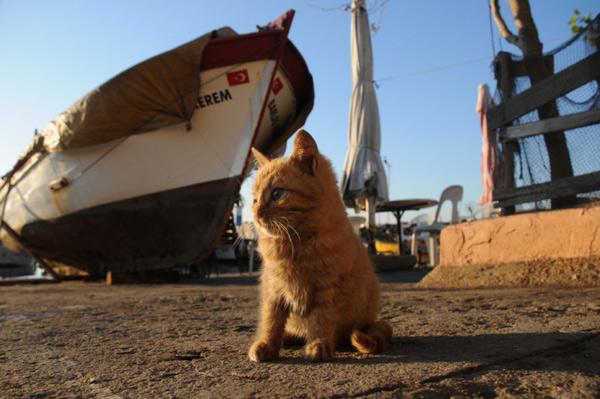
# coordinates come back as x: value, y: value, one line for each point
x: 238, y: 77
x: 277, y: 86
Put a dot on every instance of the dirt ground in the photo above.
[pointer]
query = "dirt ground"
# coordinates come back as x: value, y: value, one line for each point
x: 87, y: 340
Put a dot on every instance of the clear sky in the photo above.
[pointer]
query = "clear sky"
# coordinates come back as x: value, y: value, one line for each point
x: 429, y: 56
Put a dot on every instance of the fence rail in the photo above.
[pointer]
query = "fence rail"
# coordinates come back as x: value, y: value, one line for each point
x: 544, y: 191
x: 560, y: 123
x: 545, y: 91
x: 506, y: 195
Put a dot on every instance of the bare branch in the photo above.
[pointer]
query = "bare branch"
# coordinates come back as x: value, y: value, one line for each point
x: 504, y: 31
x: 529, y: 42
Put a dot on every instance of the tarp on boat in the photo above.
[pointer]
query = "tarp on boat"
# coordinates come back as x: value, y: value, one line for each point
x: 158, y: 92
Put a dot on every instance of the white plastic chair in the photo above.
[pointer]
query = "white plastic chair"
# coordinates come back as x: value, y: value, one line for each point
x: 356, y: 222
x: 453, y: 194
x: 420, y: 220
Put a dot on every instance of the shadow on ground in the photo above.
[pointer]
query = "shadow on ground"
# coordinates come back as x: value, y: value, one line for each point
x: 404, y: 276
x: 527, y: 351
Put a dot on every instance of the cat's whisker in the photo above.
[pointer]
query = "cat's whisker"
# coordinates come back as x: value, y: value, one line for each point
x: 273, y: 224
x: 289, y: 225
x: 285, y: 229
x: 287, y: 232
x: 278, y: 227
x: 291, y: 242
x: 297, y: 234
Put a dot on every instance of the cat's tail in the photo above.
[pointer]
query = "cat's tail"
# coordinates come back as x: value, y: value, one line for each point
x: 375, y: 339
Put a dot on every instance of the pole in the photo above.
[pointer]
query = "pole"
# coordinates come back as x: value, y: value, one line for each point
x: 370, y: 208
x: 398, y: 215
x: 250, y: 256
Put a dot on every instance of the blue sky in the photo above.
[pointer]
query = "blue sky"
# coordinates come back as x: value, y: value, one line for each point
x: 53, y: 52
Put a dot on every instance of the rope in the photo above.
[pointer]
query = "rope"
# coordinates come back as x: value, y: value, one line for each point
x: 95, y: 161
x: 491, y: 30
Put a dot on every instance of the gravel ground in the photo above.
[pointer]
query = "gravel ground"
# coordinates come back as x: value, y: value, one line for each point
x: 87, y: 340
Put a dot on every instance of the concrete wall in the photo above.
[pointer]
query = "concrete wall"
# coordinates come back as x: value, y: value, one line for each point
x: 572, y: 233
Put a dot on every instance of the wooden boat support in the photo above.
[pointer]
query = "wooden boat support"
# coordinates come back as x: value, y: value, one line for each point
x: 13, y: 234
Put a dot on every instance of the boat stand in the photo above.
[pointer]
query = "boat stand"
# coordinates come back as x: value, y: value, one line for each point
x: 13, y: 234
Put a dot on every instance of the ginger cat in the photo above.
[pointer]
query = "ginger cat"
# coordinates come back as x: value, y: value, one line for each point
x: 317, y: 283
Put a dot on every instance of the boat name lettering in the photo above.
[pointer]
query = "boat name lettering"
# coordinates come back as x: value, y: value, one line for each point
x: 273, y: 112
x: 214, y: 98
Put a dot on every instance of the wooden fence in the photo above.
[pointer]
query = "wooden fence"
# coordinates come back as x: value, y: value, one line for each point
x: 501, y: 117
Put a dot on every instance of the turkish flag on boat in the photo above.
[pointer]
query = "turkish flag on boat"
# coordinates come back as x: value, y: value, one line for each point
x: 238, y: 77
x: 277, y: 86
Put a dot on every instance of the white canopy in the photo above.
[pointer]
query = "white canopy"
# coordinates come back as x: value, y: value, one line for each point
x: 363, y: 175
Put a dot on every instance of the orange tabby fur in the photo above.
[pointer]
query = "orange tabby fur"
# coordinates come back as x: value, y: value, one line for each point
x: 317, y: 282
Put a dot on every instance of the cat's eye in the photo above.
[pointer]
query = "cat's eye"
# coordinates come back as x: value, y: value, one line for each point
x: 277, y: 193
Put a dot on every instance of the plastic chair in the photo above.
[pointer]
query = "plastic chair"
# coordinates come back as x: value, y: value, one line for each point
x: 420, y: 220
x: 453, y: 194
x: 356, y: 222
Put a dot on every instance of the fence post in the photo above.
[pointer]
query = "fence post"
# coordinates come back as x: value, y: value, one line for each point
x: 508, y: 154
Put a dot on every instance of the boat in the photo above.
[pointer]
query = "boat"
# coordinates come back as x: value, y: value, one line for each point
x: 142, y: 172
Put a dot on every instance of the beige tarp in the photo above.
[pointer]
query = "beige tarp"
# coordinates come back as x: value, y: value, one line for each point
x: 363, y: 174
x: 160, y: 91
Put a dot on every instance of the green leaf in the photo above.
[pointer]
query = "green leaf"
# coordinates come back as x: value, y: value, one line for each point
x: 573, y: 21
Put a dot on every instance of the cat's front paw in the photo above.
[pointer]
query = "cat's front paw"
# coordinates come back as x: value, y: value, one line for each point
x: 260, y: 351
x: 319, y: 350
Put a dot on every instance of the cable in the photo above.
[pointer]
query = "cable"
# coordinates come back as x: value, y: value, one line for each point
x: 341, y: 7
x: 434, y: 69
x: 376, y: 7
x: 379, y: 8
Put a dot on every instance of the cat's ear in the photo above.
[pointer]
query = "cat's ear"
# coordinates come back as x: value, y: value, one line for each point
x: 304, y: 152
x: 261, y: 160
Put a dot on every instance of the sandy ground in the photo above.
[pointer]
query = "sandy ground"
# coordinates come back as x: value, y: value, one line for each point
x: 87, y: 340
